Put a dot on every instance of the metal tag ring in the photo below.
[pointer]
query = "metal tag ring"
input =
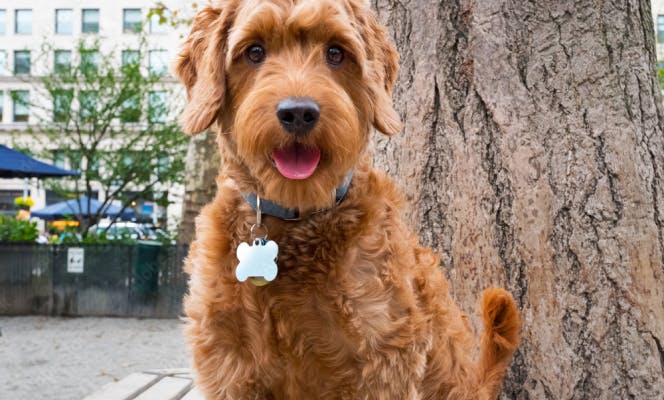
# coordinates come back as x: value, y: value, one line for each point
x: 253, y: 231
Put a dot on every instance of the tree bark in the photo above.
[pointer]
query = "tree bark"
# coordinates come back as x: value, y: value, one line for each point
x: 202, y: 167
x: 533, y: 156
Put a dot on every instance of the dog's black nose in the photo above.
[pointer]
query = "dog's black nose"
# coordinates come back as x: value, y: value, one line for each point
x: 298, y: 115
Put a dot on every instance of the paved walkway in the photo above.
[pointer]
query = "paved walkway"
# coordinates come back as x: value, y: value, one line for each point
x: 44, y: 358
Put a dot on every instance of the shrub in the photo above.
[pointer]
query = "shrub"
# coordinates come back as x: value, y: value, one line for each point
x: 17, y: 230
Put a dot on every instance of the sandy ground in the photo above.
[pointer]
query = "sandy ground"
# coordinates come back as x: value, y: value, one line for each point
x: 66, y: 359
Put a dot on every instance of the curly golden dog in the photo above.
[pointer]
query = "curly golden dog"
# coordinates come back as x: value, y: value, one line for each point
x: 358, y: 309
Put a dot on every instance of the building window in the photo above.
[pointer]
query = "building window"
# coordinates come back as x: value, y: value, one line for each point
x: 163, y: 163
x: 59, y: 158
x: 93, y: 162
x: 64, y: 21
x: 23, y: 22
x: 131, y: 62
x: 660, y: 28
x: 62, y: 62
x: 130, y: 57
x: 157, y: 106
x: 90, y: 20
x: 22, y: 62
x: 4, y: 63
x: 3, y: 21
x: 89, y: 61
x: 87, y: 100
x: 21, y: 100
x: 158, y: 24
x: 158, y: 60
x: 75, y: 158
x: 131, y: 20
x: 7, y: 199
x: 62, y: 99
x: 131, y: 110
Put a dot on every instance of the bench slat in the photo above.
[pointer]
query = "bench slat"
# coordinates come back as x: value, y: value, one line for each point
x: 194, y: 394
x: 168, y: 388
x: 127, y: 388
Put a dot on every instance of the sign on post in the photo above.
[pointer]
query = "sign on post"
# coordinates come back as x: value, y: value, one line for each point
x: 75, y: 260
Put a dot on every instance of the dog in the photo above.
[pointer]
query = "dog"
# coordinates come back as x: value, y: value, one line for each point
x: 358, y: 309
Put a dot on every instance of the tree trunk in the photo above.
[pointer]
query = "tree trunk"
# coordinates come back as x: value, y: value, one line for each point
x: 533, y: 153
x: 202, y: 167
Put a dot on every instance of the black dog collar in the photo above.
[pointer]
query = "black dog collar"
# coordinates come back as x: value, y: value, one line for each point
x: 293, y: 214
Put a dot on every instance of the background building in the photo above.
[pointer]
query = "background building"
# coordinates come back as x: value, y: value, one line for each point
x: 24, y: 28
x: 658, y: 19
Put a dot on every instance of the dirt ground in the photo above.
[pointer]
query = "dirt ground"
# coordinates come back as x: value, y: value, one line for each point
x: 66, y: 359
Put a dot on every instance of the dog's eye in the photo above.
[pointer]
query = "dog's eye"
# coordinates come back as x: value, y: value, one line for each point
x: 335, y: 55
x: 255, y: 54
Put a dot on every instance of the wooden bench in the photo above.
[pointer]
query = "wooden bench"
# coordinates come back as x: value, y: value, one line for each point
x: 172, y: 384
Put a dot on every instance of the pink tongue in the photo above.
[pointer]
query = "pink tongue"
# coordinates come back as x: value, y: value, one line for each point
x: 296, y: 161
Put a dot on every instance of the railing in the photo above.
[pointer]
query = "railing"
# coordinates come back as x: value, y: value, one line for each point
x: 144, y: 280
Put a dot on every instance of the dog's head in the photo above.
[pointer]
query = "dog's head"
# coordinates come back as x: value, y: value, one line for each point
x: 295, y: 85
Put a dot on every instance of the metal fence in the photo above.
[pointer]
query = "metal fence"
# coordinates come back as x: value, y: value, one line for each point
x: 143, y: 280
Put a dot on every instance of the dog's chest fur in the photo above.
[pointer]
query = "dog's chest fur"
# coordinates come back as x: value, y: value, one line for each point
x: 344, y: 306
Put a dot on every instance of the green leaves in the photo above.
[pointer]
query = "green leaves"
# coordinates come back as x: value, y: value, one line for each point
x: 112, y: 121
x: 17, y: 230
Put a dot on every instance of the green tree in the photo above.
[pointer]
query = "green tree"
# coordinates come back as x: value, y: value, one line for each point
x: 174, y: 17
x: 202, y: 160
x: 116, y: 123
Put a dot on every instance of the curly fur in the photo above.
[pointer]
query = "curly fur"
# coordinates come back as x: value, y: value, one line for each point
x: 359, y: 310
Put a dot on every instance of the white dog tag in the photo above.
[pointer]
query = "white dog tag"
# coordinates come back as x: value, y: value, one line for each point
x: 258, y: 261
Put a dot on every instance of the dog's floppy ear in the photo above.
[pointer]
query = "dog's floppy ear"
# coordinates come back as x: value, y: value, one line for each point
x: 383, y: 70
x: 200, y: 67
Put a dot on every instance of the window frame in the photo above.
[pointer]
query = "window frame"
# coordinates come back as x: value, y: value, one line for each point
x: 94, y: 103
x: 15, y: 103
x: 55, y: 61
x: 16, y: 58
x: 164, y: 58
x: 3, y: 21
x: 84, y: 64
x: 131, y: 27
x: 125, y: 57
x: 130, y: 110
x: 152, y: 117
x: 68, y: 94
x: 4, y: 69
x: 60, y: 158
x: 83, y: 12
x: 58, y: 11
x: 16, y: 24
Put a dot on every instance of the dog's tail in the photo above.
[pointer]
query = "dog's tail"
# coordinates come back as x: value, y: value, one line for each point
x: 500, y: 339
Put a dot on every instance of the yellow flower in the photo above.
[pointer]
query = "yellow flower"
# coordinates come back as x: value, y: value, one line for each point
x: 24, y: 201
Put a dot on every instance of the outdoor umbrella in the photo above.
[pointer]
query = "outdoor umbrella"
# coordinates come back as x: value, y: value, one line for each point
x: 14, y: 164
x: 71, y: 208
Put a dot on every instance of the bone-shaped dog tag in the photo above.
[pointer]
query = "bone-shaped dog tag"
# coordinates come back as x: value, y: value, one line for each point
x: 258, y: 261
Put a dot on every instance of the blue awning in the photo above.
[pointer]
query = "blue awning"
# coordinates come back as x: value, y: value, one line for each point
x: 70, y: 208
x: 14, y: 164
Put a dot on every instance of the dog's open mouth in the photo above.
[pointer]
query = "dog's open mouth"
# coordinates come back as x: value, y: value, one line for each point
x: 296, y: 161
